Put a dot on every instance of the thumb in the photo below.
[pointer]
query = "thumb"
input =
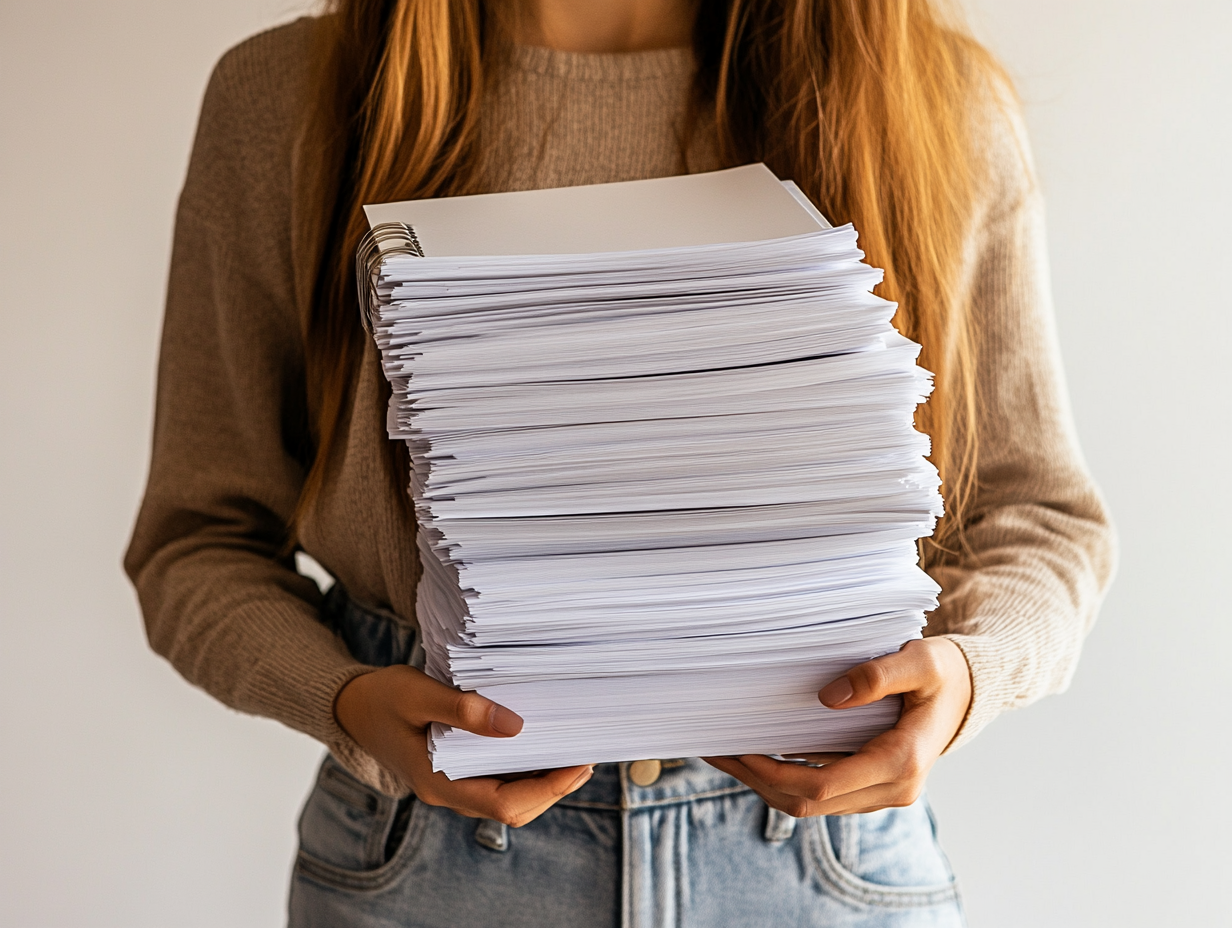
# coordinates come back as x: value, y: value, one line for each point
x: 874, y: 680
x: 469, y: 711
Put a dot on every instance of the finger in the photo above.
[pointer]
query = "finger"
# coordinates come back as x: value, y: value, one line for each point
x: 728, y: 765
x: 519, y: 775
x: 796, y: 806
x: 869, y: 799
x: 873, y: 799
x: 913, y: 668
x: 899, y: 755
x: 431, y: 701
x: 819, y: 784
x: 553, y: 798
x: 518, y: 802
x: 792, y: 805
x: 490, y: 797
x: 780, y: 800
x: 817, y: 760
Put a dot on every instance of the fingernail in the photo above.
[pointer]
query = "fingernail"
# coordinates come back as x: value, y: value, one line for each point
x: 836, y: 693
x: 586, y: 775
x: 505, y: 722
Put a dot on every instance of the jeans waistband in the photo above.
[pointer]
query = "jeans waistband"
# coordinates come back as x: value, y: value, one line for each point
x: 373, y: 636
x: 381, y: 638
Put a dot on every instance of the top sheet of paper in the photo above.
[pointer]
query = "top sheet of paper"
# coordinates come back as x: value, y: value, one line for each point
x: 744, y: 204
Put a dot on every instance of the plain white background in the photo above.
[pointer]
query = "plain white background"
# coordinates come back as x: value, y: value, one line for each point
x: 129, y: 799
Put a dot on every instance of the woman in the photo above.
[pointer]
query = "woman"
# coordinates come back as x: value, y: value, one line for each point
x: 269, y: 438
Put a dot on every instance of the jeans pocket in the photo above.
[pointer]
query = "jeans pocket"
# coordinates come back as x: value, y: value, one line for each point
x: 889, y: 858
x: 350, y: 835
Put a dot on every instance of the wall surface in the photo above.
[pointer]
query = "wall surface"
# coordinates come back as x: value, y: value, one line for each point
x: 1107, y: 805
x: 129, y: 799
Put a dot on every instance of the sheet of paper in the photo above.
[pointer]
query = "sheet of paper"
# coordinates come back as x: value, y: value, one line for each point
x: 741, y: 204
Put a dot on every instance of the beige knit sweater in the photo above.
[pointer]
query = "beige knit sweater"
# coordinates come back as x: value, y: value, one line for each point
x: 236, y: 619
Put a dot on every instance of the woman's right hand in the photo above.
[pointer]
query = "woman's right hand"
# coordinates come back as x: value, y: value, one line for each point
x: 388, y: 712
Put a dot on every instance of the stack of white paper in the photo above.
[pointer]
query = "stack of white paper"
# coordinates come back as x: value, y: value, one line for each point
x: 664, y: 467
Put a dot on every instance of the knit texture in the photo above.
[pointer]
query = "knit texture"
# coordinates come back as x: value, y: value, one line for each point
x: 234, y: 617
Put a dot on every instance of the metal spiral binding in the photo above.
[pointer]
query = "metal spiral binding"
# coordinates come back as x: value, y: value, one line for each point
x: 381, y: 241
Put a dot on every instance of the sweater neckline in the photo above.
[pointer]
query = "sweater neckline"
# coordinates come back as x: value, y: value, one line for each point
x: 655, y: 65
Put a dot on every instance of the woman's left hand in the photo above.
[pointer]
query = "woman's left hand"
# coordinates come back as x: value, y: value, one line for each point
x: 935, y: 682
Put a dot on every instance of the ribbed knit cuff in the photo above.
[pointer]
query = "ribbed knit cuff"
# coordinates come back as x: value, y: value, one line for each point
x: 358, y: 762
x: 297, y: 682
x: 986, y: 658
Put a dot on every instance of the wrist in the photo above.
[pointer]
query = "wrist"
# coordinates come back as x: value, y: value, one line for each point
x: 351, y: 700
x: 960, y: 683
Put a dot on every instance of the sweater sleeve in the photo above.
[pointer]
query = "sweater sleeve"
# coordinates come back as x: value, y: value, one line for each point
x: 1040, y: 547
x: 220, y: 600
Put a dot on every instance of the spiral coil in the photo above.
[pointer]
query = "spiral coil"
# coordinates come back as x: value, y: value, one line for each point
x: 381, y: 241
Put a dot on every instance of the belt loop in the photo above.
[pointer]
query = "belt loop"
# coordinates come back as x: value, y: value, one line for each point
x: 779, y: 825
x: 492, y: 835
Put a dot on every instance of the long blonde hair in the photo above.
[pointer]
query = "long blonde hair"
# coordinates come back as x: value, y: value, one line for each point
x: 866, y: 104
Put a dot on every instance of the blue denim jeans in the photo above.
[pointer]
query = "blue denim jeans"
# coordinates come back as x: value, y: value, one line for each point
x: 694, y: 848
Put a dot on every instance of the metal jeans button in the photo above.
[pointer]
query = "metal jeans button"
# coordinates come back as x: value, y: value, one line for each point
x: 645, y: 772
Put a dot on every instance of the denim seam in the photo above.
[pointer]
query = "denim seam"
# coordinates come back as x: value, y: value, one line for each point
x: 387, y: 808
x: 592, y: 806
x: 650, y: 804
x: 334, y: 779
x: 851, y: 887
x: 626, y: 855
x: 848, y: 851
x: 685, y: 800
x: 309, y: 867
